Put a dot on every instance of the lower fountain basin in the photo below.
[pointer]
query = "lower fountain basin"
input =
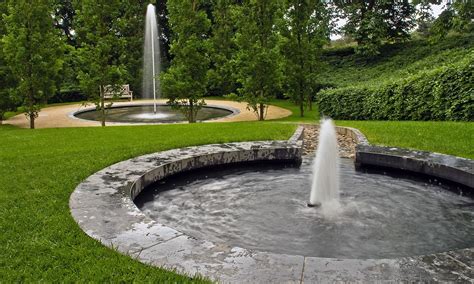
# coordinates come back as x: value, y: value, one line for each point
x: 146, y: 114
x: 263, y: 208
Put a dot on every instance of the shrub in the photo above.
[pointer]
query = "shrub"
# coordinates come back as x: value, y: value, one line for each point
x: 443, y: 93
x: 67, y: 96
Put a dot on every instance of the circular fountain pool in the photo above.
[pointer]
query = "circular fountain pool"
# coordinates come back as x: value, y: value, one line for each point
x: 145, y: 114
x: 264, y: 208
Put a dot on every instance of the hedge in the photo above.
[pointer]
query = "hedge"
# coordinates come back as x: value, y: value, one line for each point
x: 443, y: 93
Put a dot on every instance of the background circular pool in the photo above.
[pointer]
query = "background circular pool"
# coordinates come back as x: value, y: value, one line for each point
x: 145, y: 114
x: 264, y: 208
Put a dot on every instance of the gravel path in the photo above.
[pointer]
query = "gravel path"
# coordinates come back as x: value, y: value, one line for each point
x: 310, y: 141
x: 61, y: 116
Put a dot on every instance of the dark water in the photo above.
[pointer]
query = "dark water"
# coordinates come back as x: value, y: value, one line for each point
x: 145, y: 114
x: 264, y: 208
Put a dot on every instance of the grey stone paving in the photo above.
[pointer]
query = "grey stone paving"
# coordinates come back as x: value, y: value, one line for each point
x: 103, y: 207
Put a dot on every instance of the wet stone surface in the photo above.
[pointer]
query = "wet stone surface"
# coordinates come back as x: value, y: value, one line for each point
x: 103, y: 207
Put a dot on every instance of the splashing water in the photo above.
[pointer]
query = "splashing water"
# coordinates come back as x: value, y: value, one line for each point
x: 325, y: 185
x: 151, y: 57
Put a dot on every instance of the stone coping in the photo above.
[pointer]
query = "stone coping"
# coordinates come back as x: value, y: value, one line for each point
x: 103, y: 207
x: 234, y: 111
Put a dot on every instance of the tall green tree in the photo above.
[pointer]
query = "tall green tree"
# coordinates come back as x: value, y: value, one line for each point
x: 185, y: 82
x: 33, y: 52
x: 221, y: 76
x: 305, y: 29
x: 456, y: 16
x: 6, y: 80
x: 101, y: 47
x: 371, y: 22
x: 258, y: 59
x: 131, y: 27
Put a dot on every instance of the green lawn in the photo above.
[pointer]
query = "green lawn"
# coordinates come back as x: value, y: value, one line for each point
x: 40, y: 168
x: 453, y: 138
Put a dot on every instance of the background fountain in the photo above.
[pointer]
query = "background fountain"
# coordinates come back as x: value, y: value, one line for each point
x: 151, y: 89
x: 151, y: 58
x: 325, y: 186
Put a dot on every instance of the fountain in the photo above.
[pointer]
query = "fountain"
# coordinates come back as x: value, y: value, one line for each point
x: 201, y: 210
x: 151, y: 58
x: 262, y: 207
x: 325, y: 186
x: 151, y: 90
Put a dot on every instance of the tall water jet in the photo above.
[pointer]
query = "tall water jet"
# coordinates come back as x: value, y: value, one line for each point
x: 325, y: 185
x: 151, y: 58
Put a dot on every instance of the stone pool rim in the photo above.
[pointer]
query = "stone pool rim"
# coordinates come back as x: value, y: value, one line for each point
x: 103, y: 207
x: 73, y: 115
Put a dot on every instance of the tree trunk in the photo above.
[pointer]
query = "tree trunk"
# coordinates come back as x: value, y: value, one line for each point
x: 102, y: 107
x: 261, y: 115
x: 32, y: 121
x: 301, y: 104
x: 191, y: 112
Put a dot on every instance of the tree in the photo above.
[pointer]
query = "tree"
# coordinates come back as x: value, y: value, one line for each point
x: 6, y: 82
x: 33, y: 51
x: 221, y: 76
x: 457, y: 16
x: 184, y: 84
x: 372, y: 22
x: 100, y: 49
x: 258, y: 58
x: 424, y: 19
x: 306, y: 28
x: 64, y: 13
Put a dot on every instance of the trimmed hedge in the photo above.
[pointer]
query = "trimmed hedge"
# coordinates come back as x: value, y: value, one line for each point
x: 444, y: 93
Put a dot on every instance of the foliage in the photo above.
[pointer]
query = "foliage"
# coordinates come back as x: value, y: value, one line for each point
x: 258, y: 58
x: 395, y: 62
x: 457, y: 16
x: 131, y: 25
x: 443, y: 93
x: 63, y: 15
x: 101, y: 49
x: 221, y: 75
x: 305, y: 29
x: 184, y: 84
x: 372, y: 22
x: 33, y: 51
x: 6, y: 78
x: 424, y: 19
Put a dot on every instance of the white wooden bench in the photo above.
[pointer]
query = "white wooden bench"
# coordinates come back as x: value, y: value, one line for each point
x: 123, y: 92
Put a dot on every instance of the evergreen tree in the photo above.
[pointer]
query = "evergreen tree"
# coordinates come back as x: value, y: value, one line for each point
x: 184, y: 84
x: 33, y: 51
x: 306, y: 28
x: 101, y: 47
x: 131, y: 27
x: 258, y: 58
x: 6, y: 82
x: 223, y: 48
